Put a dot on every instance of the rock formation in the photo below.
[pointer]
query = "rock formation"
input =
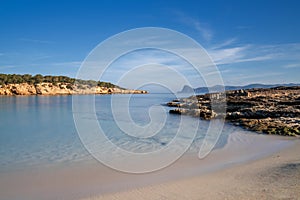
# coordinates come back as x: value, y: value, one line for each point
x: 61, y: 89
x: 272, y: 111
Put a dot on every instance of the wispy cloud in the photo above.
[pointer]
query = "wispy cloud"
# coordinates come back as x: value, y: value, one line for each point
x: 229, y: 52
x: 254, y: 53
x: 36, y: 41
x: 219, y: 72
x: 224, y: 55
x: 227, y: 55
x: 293, y: 65
x: 257, y: 76
x: 226, y: 43
x: 205, y: 32
x: 67, y: 64
x: 199, y: 26
x: 7, y: 67
x: 244, y: 27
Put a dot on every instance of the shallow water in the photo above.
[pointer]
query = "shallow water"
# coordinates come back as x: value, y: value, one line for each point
x: 38, y: 131
x: 42, y: 156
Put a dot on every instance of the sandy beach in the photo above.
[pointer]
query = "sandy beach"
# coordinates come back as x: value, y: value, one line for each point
x: 276, y: 176
x: 250, y: 166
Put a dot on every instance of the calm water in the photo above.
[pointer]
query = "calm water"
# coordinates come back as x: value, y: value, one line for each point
x: 39, y: 131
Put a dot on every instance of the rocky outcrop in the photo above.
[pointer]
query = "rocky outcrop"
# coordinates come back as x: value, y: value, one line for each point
x: 17, y: 89
x: 61, y: 89
x: 271, y: 111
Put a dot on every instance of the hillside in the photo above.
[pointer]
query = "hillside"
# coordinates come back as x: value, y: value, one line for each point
x: 13, y: 84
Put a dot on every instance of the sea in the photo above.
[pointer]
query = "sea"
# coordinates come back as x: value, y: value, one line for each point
x: 72, y: 147
x: 40, y: 131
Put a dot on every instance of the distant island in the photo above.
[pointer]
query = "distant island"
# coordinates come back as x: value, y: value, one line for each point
x: 265, y: 110
x: 216, y: 88
x: 15, y: 84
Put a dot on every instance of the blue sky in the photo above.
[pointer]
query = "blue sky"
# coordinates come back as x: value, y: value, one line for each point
x: 250, y: 41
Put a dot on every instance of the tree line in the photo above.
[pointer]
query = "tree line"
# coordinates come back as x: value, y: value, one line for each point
x: 27, y: 78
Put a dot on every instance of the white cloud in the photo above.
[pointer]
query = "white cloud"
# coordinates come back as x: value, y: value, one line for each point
x: 229, y: 53
x: 225, y: 54
x: 255, y: 53
x: 226, y: 43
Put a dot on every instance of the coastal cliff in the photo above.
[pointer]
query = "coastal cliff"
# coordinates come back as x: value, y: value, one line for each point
x: 272, y: 111
x: 13, y: 84
x: 61, y: 89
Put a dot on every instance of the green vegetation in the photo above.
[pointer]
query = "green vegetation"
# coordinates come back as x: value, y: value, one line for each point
x: 27, y: 78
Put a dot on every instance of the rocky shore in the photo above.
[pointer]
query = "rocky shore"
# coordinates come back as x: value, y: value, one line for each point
x: 272, y: 111
x: 61, y: 89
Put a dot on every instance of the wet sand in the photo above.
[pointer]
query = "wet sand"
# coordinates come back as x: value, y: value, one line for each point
x: 276, y: 176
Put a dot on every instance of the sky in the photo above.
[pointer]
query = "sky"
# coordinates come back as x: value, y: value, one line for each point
x: 249, y: 41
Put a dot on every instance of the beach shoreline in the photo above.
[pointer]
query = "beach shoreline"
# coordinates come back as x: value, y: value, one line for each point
x: 276, y: 176
x: 94, y: 179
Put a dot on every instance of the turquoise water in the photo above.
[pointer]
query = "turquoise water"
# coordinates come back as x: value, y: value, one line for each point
x: 39, y: 131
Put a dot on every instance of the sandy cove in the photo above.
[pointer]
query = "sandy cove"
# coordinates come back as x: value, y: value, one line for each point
x: 250, y: 166
x: 276, y: 176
